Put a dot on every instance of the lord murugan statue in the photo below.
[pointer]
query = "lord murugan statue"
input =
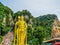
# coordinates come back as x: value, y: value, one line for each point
x: 20, y: 31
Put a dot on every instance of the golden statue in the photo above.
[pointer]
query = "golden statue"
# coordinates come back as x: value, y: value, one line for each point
x: 20, y: 31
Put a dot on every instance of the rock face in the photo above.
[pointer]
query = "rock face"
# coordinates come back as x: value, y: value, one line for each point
x: 56, y: 29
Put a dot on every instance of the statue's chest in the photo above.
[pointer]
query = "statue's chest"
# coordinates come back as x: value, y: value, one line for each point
x: 21, y: 24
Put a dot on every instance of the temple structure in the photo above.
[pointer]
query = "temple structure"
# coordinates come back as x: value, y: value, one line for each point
x: 55, y: 35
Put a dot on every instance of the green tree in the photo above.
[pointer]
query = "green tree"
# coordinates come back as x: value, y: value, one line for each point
x: 6, y: 15
x: 39, y: 34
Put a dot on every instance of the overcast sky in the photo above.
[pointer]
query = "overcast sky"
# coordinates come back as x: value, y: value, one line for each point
x: 36, y: 7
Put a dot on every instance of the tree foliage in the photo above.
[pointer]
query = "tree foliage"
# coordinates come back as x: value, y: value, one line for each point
x: 5, y: 21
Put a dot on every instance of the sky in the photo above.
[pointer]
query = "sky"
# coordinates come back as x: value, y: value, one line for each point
x: 36, y: 7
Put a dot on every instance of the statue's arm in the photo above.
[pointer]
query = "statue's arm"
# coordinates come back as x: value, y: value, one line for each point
x: 25, y: 25
x: 16, y: 25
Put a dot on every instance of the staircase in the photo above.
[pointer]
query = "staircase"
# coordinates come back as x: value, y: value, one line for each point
x: 7, y: 40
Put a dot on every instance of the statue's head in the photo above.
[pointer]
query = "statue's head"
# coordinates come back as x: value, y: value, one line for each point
x: 20, y: 17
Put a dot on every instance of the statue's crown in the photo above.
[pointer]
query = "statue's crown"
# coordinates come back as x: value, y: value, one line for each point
x: 18, y: 17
